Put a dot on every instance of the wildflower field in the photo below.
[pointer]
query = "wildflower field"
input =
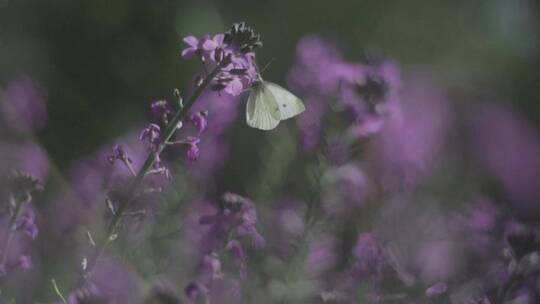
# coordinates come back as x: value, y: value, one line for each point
x: 216, y: 152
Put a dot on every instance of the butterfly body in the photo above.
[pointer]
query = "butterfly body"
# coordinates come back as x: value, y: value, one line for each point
x: 269, y: 103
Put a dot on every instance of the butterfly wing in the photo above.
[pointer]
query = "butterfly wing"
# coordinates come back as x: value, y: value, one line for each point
x: 288, y: 104
x: 261, y: 109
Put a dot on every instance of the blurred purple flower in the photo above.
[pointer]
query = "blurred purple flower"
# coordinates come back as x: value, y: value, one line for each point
x: 114, y: 281
x: 23, y: 105
x: 369, y: 258
x: 25, y: 157
x: 238, y: 217
x: 346, y: 188
x: 26, y: 223
x: 209, y: 269
x: 482, y: 224
x: 24, y: 263
x: 318, y: 68
x: 310, y: 124
x: 322, y: 255
x: 413, y: 136
x: 509, y: 146
x: 367, y: 126
x: 285, y: 225
x: 199, y: 121
x: 237, y: 252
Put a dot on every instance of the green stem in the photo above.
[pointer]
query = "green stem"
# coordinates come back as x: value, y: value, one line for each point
x: 137, y: 181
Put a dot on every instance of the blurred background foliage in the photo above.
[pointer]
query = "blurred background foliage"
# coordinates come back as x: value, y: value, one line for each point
x: 101, y: 62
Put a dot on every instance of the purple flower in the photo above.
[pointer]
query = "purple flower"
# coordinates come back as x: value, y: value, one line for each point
x: 194, y: 290
x: 233, y: 53
x: 310, y: 124
x: 114, y: 281
x: 346, y: 188
x: 153, y: 134
x: 238, y: 217
x: 322, y: 255
x: 193, y: 148
x: 238, y: 76
x: 369, y: 256
x: 194, y: 47
x: 26, y: 223
x: 508, y: 146
x: 23, y: 105
x: 119, y: 153
x: 214, y: 47
x: 199, y: 121
x: 160, y: 111
x: 24, y: 157
x: 413, y: 135
x: 24, y: 262
x: 316, y: 69
x: 239, y: 256
x: 367, y: 125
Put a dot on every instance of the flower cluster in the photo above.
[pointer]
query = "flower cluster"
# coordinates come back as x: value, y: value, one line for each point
x: 20, y: 224
x: 234, y: 222
x: 233, y: 51
x: 365, y: 93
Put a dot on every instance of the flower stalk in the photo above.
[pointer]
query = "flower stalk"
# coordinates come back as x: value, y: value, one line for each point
x: 147, y: 166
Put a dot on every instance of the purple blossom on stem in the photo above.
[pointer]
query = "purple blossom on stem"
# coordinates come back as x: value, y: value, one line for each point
x: 214, y: 47
x: 160, y: 111
x: 238, y: 45
x: 193, y: 148
x: 194, y: 47
x: 119, y: 153
x: 226, y: 227
x: 26, y: 223
x: 153, y: 134
x: 234, y: 52
x: 199, y: 121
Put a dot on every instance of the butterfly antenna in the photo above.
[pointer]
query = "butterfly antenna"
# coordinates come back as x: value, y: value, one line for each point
x: 267, y: 65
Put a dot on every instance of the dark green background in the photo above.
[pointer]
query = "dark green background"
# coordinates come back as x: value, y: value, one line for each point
x: 101, y: 62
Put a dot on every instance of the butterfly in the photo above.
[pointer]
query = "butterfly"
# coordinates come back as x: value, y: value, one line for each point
x: 269, y: 103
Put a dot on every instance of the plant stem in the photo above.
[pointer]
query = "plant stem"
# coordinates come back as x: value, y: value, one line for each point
x: 137, y: 181
x: 12, y: 227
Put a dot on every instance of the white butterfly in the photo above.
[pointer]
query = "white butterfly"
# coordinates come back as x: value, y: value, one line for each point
x: 268, y: 104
